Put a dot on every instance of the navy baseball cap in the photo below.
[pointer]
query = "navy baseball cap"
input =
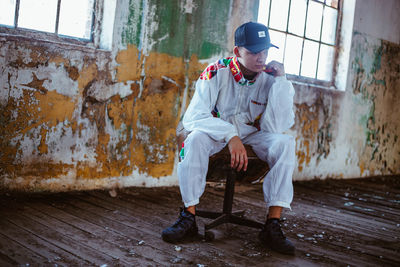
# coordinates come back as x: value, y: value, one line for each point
x: 253, y: 36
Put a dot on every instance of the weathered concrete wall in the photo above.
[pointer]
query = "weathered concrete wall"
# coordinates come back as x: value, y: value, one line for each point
x: 372, y: 106
x: 379, y: 19
x: 354, y: 133
x: 78, y: 118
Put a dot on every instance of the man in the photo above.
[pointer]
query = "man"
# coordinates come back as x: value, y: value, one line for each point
x: 237, y: 101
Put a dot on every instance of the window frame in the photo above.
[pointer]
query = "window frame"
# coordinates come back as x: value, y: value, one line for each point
x: 315, y: 81
x: 15, y: 32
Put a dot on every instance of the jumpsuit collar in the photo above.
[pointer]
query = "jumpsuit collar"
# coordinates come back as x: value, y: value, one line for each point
x: 237, y: 73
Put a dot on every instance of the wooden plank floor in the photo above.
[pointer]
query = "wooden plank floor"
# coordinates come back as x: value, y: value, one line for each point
x: 332, y: 223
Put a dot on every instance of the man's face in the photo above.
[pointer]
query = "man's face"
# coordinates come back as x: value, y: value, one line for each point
x: 252, y: 61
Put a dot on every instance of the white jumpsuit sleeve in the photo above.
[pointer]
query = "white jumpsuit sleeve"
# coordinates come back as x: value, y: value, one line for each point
x: 198, y: 115
x: 278, y: 116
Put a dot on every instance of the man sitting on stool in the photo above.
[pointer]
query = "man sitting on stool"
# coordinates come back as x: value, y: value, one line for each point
x: 240, y: 100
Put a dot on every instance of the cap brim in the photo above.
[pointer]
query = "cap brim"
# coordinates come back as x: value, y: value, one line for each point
x: 259, y: 47
x: 272, y: 45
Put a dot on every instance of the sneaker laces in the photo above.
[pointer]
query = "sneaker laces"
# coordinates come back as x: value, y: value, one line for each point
x: 182, y: 220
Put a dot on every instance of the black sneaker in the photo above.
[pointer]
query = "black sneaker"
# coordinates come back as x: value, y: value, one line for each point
x: 271, y: 235
x: 184, y: 227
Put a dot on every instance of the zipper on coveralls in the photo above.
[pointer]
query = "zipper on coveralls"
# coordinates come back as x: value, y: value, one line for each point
x: 240, y: 100
x: 237, y: 110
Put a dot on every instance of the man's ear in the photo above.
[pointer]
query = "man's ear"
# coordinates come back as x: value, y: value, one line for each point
x: 236, y: 51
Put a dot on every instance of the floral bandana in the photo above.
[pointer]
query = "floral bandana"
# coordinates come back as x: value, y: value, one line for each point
x: 233, y: 65
x: 237, y: 73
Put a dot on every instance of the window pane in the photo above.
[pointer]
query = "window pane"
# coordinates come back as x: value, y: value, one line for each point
x: 293, y: 54
x: 7, y: 12
x: 279, y: 14
x: 76, y: 22
x: 297, y: 17
x: 314, y: 19
x: 309, y: 61
x: 305, y: 33
x: 38, y: 15
x: 325, y: 64
x: 332, y: 3
x: 329, y: 26
x: 263, y: 12
x: 278, y: 39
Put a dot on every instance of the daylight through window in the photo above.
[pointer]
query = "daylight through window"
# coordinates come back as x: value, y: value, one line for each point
x: 305, y: 32
x: 73, y: 18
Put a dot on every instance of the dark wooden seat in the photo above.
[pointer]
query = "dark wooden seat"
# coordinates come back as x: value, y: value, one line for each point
x: 219, y: 167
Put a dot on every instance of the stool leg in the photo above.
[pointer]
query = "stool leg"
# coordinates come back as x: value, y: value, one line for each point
x: 208, y: 214
x: 226, y: 216
x: 229, y: 191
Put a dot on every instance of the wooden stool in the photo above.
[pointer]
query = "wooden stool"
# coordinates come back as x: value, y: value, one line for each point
x: 220, y: 162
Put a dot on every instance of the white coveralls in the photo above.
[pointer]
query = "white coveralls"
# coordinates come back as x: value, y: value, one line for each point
x: 238, y: 102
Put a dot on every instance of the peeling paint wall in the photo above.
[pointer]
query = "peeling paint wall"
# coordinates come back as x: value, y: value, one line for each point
x: 81, y: 118
x: 374, y: 99
x: 355, y: 133
x: 315, y: 129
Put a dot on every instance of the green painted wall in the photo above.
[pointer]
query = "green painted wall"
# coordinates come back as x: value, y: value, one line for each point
x: 179, y: 30
x: 132, y: 30
x: 375, y: 89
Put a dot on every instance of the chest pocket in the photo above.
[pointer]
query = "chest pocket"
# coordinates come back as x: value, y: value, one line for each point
x: 257, y: 107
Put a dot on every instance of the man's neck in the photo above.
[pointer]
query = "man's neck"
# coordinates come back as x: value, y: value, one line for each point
x: 248, y: 74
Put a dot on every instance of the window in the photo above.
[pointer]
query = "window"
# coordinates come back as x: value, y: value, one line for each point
x: 73, y: 18
x: 306, y: 32
x: 52, y: 20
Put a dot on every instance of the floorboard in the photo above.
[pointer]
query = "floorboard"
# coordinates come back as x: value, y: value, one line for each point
x: 353, y: 222
x: 12, y: 253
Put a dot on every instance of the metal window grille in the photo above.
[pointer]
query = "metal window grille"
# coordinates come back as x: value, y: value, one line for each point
x: 65, y: 18
x: 306, y: 32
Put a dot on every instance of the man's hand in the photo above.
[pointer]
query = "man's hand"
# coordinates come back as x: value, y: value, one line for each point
x: 275, y: 68
x: 238, y: 154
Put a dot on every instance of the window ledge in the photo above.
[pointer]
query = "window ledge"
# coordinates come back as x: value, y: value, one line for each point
x: 303, y: 81
x: 35, y: 37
